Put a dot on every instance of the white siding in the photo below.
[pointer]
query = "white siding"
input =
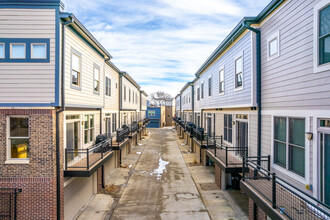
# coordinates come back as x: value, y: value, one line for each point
x: 143, y: 102
x: 85, y: 96
x: 129, y: 86
x: 28, y: 82
x: 187, y: 99
x: 112, y: 102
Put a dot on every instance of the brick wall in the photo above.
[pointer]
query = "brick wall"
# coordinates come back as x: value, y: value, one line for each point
x: 260, y: 214
x: 217, y: 175
x: 38, y: 178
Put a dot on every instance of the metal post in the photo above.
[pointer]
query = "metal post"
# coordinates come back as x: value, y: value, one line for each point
x: 243, y: 169
x: 221, y: 140
x: 87, y: 159
x: 102, y: 151
x: 215, y: 147
x: 274, y: 190
x: 226, y: 156
x: 269, y: 163
x: 66, y: 158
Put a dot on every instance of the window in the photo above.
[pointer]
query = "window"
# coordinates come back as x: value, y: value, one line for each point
x: 38, y: 51
x: 75, y: 68
x: 221, y: 81
x: 228, y: 128
x: 133, y: 97
x: 273, y: 46
x: 239, y: 72
x: 289, y: 144
x: 202, y: 92
x: 324, y: 36
x: 198, y: 94
x: 2, y: 50
x: 107, y: 86
x: 136, y: 98
x: 18, y: 138
x: 17, y: 50
x: 114, y: 122
x: 210, y: 86
x: 125, y: 93
x: 89, y: 128
x: 129, y: 96
x: 96, y: 79
x: 151, y: 113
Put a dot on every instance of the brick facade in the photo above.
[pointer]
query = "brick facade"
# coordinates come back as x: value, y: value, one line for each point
x: 260, y: 214
x: 217, y: 174
x: 38, y: 178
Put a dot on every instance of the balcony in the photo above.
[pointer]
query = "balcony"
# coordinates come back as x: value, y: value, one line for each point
x: 121, y: 138
x: 230, y: 159
x: 84, y: 162
x: 199, y: 138
x: 8, y: 203
x: 277, y: 197
x: 133, y: 128
x: 189, y: 128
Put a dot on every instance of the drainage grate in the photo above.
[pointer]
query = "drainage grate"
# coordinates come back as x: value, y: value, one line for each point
x: 209, y: 186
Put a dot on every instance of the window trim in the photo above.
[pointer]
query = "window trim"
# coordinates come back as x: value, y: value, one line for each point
x: 77, y: 87
x: 272, y: 37
x: 10, y: 160
x: 108, y: 86
x: 125, y: 94
x: 4, y: 50
x: 222, y: 69
x: 32, y: 44
x: 226, y: 141
x: 209, y: 88
x: 316, y: 53
x: 95, y: 66
x: 89, y: 129
x: 202, y: 90
x: 240, y: 55
x: 285, y: 170
x: 11, y: 51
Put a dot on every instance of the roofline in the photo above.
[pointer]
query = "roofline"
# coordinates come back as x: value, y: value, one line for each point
x: 236, y: 32
x: 185, y: 86
x: 113, y: 66
x: 129, y: 78
x: 144, y: 93
x: 177, y: 95
x: 67, y: 16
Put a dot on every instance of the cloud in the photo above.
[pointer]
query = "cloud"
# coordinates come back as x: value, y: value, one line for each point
x: 161, y: 43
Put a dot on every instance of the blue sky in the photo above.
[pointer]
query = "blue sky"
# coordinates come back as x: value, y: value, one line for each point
x: 161, y: 43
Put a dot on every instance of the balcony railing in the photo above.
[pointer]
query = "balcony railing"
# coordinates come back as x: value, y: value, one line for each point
x: 190, y: 127
x: 230, y: 156
x: 122, y: 133
x: 86, y: 158
x: 198, y: 133
x: 8, y: 203
x: 283, y: 196
x: 134, y: 127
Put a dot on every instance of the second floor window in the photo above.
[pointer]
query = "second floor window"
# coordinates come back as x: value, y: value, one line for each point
x: 228, y: 128
x: 202, y: 90
x: 324, y: 36
x: 239, y: 72
x: 210, y: 86
x: 107, y: 86
x: 114, y: 122
x: 129, y: 95
x: 96, y: 79
x: 75, y: 69
x: 221, y: 81
x: 198, y: 94
x: 125, y: 93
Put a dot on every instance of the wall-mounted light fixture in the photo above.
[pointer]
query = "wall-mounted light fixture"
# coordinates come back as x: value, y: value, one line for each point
x: 233, y: 122
x: 309, y: 136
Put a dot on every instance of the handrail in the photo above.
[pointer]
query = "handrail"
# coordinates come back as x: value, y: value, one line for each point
x: 288, y: 193
x: 9, y: 200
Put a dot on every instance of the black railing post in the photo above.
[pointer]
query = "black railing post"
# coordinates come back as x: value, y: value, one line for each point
x: 243, y: 171
x: 101, y: 151
x: 274, y: 190
x: 66, y: 158
x: 221, y: 140
x: 87, y: 159
x: 226, y: 156
x: 268, y: 163
x: 215, y: 147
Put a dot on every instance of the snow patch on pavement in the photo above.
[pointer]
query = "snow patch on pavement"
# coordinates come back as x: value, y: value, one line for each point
x: 161, y: 168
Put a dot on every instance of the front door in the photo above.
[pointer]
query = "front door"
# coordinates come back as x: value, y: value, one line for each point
x: 209, y: 126
x: 72, y: 138
x: 108, y: 127
x: 325, y: 167
x: 242, y: 137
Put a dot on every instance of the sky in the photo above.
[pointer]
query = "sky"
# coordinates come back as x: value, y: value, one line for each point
x: 161, y: 43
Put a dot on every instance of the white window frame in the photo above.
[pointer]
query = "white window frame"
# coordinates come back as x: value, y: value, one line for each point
x: 274, y: 36
x: 240, y: 55
x: 89, y: 129
x: 317, y: 8
x: 11, y: 51
x: 208, y: 87
x: 78, y: 54
x: 202, y: 90
x: 32, y: 44
x: 4, y: 50
x: 10, y: 160
x: 97, y: 92
x: 222, y: 69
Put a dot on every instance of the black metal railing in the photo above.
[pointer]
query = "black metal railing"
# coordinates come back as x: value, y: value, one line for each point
x: 134, y: 127
x: 288, y: 199
x: 122, y: 134
x: 190, y: 127
x: 230, y: 156
x: 85, y: 158
x: 198, y: 133
x: 8, y: 203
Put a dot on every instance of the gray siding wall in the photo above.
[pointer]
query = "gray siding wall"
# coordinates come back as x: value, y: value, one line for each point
x: 187, y: 96
x: 28, y: 82
x: 231, y: 97
x: 288, y: 81
x: 177, y: 104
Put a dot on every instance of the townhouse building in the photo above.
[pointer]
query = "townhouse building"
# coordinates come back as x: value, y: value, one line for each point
x: 178, y: 105
x: 187, y: 102
x: 59, y: 111
x: 263, y: 96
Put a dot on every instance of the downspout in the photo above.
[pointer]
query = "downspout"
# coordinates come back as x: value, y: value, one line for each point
x: 119, y: 99
x: 58, y: 156
x: 192, y: 103
x: 258, y: 81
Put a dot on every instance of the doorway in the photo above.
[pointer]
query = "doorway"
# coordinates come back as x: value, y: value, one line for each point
x: 325, y: 166
x: 108, y: 127
x: 72, y: 139
x: 209, y: 126
x: 242, y: 137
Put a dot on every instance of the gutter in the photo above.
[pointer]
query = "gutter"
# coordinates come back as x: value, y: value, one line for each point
x: 192, y: 102
x: 58, y: 156
x: 258, y: 81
